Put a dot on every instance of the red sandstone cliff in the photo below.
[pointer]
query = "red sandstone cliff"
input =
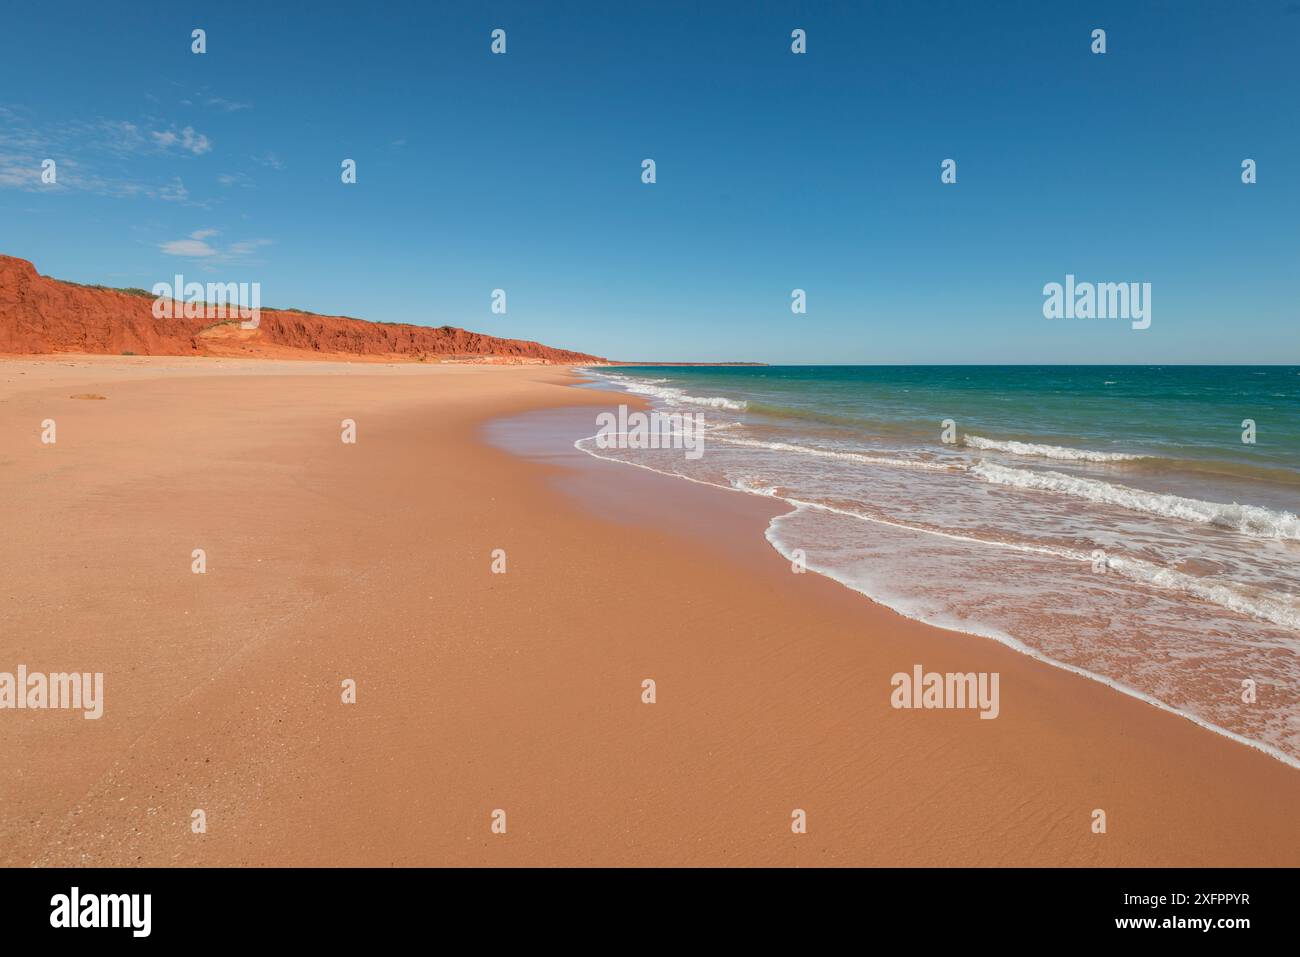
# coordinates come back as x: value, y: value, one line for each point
x: 43, y: 315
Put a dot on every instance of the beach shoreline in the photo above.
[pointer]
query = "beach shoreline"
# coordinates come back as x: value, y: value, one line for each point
x: 513, y: 435
x: 519, y: 691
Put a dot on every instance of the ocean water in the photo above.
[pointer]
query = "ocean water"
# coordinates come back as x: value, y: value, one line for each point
x: 1107, y: 520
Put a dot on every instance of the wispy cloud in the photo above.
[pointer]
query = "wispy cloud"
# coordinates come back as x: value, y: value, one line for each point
x: 226, y: 106
x: 235, y: 179
x: 175, y: 192
x: 247, y: 247
x: 193, y: 248
x: 113, y: 144
x: 268, y: 159
x: 197, y: 248
x: 187, y: 139
x: 19, y: 171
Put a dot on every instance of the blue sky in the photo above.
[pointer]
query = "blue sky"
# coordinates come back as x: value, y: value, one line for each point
x: 775, y: 171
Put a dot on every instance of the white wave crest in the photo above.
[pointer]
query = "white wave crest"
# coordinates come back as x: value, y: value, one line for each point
x: 1258, y: 603
x: 754, y: 486
x: 1047, y: 451
x: 1248, y: 519
x: 864, y: 458
x: 674, y: 396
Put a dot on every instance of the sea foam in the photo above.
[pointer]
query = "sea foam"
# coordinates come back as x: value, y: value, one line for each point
x: 1248, y: 519
x: 1047, y: 451
x: 673, y: 396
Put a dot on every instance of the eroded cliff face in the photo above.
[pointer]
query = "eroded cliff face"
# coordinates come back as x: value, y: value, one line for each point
x: 43, y: 315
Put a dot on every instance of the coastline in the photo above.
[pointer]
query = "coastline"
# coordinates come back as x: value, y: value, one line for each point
x: 1010, y: 641
x: 1164, y: 589
x: 518, y: 691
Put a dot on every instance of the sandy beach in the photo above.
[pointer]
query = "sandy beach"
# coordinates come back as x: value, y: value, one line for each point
x: 522, y: 691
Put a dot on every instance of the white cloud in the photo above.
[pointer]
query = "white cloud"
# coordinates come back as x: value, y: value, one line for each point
x: 114, y: 147
x: 187, y: 139
x: 174, y: 193
x: 235, y: 179
x: 192, y: 248
x: 196, y: 246
x: 19, y: 171
x: 189, y: 248
x: 227, y: 106
x: 247, y: 247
